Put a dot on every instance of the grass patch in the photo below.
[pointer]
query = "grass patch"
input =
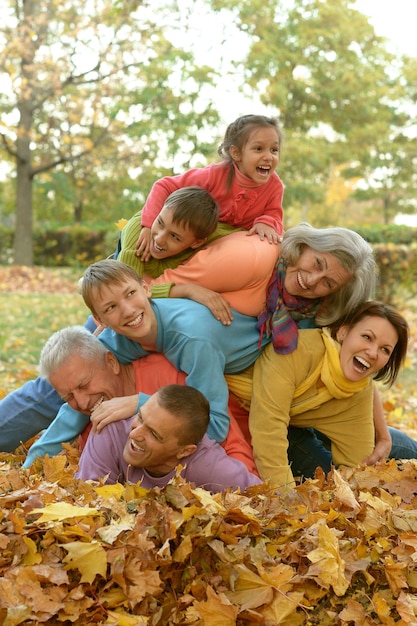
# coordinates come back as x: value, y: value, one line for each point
x: 27, y: 322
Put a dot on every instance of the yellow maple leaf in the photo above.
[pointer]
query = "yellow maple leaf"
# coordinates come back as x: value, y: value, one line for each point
x: 32, y: 557
x: 53, y: 467
x: 63, y: 510
x: 121, y: 618
x: 108, y: 491
x: 183, y: 550
x: 250, y: 590
x: 331, y: 565
x: 344, y: 493
x: 211, y: 503
x: 216, y: 610
x: 89, y: 558
x: 282, y: 608
x: 110, y: 533
x: 121, y: 223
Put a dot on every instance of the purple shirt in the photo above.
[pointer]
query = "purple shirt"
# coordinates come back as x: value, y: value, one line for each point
x: 209, y: 466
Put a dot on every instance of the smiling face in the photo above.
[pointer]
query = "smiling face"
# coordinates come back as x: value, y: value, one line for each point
x: 258, y: 158
x: 315, y: 275
x: 85, y: 384
x: 125, y: 307
x: 366, y: 347
x: 153, y: 440
x: 169, y: 238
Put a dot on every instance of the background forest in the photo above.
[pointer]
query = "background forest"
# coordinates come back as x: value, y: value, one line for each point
x: 99, y: 99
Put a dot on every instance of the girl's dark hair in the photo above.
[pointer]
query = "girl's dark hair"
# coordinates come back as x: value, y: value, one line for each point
x: 372, y: 308
x: 237, y: 134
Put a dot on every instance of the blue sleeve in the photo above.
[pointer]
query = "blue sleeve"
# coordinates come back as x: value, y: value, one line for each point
x: 67, y: 425
x: 143, y: 397
x: 125, y: 349
x: 204, y: 366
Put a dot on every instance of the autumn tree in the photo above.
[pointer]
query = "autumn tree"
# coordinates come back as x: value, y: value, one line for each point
x: 89, y: 80
x: 339, y: 93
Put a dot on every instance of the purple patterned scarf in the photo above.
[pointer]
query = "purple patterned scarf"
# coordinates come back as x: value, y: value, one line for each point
x: 283, y: 311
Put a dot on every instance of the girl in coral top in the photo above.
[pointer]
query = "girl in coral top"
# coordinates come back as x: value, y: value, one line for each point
x: 245, y: 185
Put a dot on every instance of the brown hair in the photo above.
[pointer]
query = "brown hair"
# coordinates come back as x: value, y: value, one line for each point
x: 194, y: 208
x: 372, y: 308
x: 188, y: 405
x: 237, y: 134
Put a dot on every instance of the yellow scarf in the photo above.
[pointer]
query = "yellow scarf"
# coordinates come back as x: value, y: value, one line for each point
x: 329, y: 370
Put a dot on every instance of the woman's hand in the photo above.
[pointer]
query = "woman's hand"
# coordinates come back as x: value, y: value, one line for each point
x: 381, y: 452
x: 112, y: 411
x: 383, y: 442
x: 143, y: 244
x: 211, y: 299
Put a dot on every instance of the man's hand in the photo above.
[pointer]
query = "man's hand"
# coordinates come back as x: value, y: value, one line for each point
x: 112, y: 411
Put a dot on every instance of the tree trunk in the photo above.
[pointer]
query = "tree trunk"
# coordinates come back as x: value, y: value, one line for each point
x: 23, y: 237
x: 78, y: 211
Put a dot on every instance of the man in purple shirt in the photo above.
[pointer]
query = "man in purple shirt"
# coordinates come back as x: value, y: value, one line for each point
x: 169, y: 430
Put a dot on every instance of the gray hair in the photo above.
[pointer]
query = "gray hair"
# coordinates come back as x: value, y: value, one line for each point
x: 63, y: 344
x: 352, y: 252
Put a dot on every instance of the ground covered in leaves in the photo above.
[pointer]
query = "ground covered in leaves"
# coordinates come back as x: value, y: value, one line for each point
x: 35, y: 280
x: 335, y: 551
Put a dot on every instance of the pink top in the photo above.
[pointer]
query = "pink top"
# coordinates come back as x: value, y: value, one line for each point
x: 243, y: 205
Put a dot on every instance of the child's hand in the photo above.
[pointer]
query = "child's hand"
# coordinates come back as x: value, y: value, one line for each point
x: 211, y: 299
x: 143, y: 244
x: 112, y: 411
x: 265, y: 232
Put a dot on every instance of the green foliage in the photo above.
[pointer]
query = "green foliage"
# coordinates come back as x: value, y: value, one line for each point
x: 391, y: 233
x: 344, y: 101
x: 94, y: 100
x: 75, y: 246
x: 397, y: 265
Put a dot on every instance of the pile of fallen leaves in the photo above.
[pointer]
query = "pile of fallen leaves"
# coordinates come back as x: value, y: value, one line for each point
x: 34, y: 280
x: 335, y: 551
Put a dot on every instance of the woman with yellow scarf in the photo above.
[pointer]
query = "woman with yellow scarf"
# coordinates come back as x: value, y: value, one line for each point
x: 326, y: 384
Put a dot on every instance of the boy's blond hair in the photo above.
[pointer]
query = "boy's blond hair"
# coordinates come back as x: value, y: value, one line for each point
x: 102, y: 274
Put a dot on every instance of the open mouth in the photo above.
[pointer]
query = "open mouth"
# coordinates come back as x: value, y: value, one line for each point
x: 97, y: 404
x: 263, y: 171
x: 157, y: 248
x: 136, y: 447
x: 300, y: 281
x: 136, y: 321
x: 361, y: 364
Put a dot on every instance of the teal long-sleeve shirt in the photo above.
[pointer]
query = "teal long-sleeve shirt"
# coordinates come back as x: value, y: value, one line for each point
x: 196, y: 344
x: 201, y: 347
